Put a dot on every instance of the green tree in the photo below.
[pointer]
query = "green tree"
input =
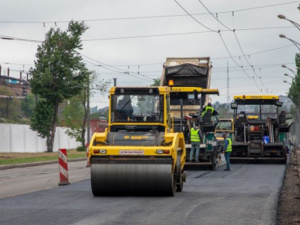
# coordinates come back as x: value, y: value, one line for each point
x: 9, y: 106
x: 224, y: 111
x: 156, y: 82
x: 73, y: 114
x: 59, y: 74
x: 76, y: 112
x: 294, y: 92
x: 42, y: 118
x: 28, y: 105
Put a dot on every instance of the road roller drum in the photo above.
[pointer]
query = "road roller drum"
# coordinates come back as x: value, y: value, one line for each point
x: 132, y: 177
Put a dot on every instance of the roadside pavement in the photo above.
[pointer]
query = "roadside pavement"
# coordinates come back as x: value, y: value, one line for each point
x: 26, y: 179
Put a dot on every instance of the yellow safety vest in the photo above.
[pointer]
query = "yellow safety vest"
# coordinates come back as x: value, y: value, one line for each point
x: 206, y: 108
x: 229, y: 146
x: 194, y: 135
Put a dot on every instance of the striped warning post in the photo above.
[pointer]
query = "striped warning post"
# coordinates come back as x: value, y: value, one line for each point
x: 63, y: 167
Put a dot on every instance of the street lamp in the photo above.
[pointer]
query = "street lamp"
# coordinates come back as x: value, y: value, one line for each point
x: 294, y: 42
x: 293, y: 71
x: 287, y: 82
x: 289, y: 76
x: 280, y: 16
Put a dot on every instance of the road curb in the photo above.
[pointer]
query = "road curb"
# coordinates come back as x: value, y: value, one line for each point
x: 21, y: 165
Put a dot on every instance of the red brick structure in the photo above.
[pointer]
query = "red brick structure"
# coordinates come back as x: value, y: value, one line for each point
x: 98, y: 125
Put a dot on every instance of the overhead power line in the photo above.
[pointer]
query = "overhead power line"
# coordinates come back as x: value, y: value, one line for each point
x: 256, y: 53
x: 217, y: 58
x: 145, y: 17
x: 193, y: 17
x: 4, y: 37
x: 261, y: 66
x: 109, y: 67
x: 226, y: 47
x: 237, y: 40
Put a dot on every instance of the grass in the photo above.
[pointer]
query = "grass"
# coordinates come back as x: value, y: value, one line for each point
x: 17, y: 158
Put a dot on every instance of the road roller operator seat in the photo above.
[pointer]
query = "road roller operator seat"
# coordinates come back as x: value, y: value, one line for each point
x: 124, y: 108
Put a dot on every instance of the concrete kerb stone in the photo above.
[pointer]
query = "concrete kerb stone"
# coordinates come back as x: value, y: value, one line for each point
x: 21, y: 165
x: 298, y: 161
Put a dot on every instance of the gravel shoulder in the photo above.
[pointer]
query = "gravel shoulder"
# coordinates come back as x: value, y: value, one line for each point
x: 288, y: 211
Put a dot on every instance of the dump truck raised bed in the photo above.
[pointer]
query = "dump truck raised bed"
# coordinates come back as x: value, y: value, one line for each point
x: 189, y: 80
x: 260, y: 129
x: 139, y: 152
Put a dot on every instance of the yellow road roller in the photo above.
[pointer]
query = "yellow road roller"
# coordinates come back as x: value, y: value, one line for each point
x: 139, y: 153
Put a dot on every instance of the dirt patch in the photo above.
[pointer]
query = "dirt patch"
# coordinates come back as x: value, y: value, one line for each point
x: 288, y: 211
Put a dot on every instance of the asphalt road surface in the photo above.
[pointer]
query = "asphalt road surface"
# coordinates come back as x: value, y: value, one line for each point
x: 246, y: 195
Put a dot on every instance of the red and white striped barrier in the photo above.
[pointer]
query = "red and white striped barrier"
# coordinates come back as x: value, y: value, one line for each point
x: 88, y: 163
x: 63, y: 167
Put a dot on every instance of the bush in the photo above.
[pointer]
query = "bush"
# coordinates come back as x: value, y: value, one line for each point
x: 24, y: 120
x: 81, y: 149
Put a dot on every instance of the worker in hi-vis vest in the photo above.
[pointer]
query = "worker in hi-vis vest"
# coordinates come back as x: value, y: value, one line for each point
x: 195, y: 137
x: 208, y: 112
x: 227, y: 149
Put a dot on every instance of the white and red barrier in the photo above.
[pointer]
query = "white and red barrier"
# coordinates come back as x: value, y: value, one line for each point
x: 63, y: 167
x: 88, y: 163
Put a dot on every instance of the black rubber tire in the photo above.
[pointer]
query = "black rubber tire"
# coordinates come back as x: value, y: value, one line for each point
x: 180, y: 185
x: 285, y: 158
x: 214, y: 160
x: 172, y: 193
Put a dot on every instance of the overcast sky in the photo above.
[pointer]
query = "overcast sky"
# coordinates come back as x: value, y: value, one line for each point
x: 136, y: 36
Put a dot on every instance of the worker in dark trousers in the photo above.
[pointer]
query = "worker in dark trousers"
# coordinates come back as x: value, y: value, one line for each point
x: 227, y: 149
x: 195, y: 137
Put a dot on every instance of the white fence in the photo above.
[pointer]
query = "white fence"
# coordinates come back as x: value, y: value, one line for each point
x: 20, y: 138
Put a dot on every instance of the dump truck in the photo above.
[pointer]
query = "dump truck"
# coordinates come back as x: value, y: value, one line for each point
x: 260, y: 129
x: 139, y: 152
x: 189, y: 82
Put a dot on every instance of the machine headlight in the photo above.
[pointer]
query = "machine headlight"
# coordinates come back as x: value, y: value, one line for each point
x: 160, y: 151
x: 101, y: 151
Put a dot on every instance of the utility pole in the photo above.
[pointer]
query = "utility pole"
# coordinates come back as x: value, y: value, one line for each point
x: 88, y: 110
x: 26, y: 101
x: 228, y: 94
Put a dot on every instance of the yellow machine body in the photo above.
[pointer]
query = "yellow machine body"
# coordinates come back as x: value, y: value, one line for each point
x: 139, y: 154
x: 260, y: 129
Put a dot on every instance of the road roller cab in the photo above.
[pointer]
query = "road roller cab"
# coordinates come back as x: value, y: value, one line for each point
x: 138, y: 153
